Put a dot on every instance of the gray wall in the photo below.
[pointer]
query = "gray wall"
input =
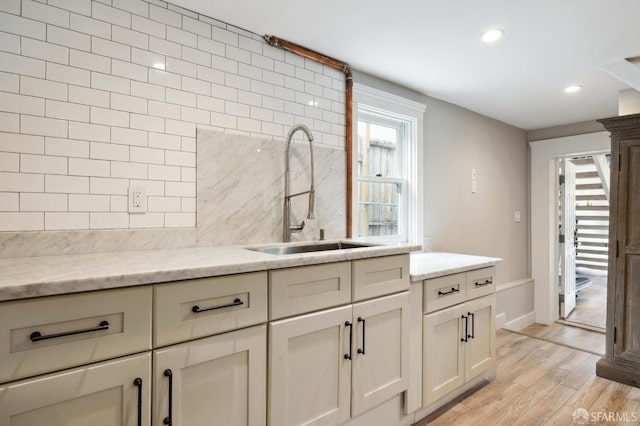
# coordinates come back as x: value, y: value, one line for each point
x: 457, y: 140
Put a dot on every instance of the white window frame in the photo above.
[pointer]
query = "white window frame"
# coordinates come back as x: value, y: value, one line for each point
x: 411, y: 200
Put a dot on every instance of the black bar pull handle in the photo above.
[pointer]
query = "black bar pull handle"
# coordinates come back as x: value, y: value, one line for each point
x: 350, y: 354
x: 473, y: 325
x: 169, y: 419
x: 138, y: 382
x: 444, y: 293
x: 482, y: 284
x: 466, y: 328
x: 196, y: 309
x: 36, y: 336
x: 362, y: 320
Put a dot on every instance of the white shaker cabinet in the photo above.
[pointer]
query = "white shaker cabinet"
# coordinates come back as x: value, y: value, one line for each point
x: 110, y: 393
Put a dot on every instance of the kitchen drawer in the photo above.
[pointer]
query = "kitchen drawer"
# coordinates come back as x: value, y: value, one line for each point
x: 52, y: 333
x: 186, y: 310
x: 443, y: 292
x: 481, y: 282
x: 308, y: 288
x: 380, y: 276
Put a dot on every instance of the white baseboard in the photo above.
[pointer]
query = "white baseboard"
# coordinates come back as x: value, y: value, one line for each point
x: 501, y: 321
x: 521, y: 322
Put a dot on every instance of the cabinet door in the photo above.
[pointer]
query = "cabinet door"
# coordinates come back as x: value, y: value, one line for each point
x: 481, y: 346
x: 381, y: 351
x: 309, y: 375
x: 102, y: 394
x: 443, y: 353
x: 219, y: 380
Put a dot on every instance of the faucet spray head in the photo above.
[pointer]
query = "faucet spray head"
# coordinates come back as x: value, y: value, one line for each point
x: 312, y: 199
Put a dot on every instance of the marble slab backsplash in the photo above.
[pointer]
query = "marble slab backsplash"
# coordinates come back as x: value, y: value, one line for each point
x: 240, y: 189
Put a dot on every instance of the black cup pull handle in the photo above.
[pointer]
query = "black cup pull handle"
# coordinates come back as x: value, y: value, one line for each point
x: 350, y: 354
x: 466, y: 328
x: 473, y: 325
x: 362, y: 320
x: 36, y: 336
x: 169, y: 419
x: 445, y: 293
x: 138, y: 382
x: 196, y: 309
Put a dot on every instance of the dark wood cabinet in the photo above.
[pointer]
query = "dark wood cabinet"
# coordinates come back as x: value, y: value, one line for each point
x: 621, y: 361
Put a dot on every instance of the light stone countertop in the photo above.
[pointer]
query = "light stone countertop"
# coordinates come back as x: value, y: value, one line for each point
x: 436, y: 264
x: 49, y: 275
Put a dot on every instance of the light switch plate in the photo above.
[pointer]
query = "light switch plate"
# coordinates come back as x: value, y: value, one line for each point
x: 137, y: 199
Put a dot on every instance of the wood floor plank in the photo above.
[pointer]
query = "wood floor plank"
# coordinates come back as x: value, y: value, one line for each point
x: 587, y: 395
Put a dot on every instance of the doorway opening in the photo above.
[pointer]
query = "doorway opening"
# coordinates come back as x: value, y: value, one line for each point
x: 583, y: 241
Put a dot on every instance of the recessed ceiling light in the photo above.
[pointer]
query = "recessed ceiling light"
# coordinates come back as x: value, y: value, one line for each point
x: 491, y: 35
x: 572, y: 89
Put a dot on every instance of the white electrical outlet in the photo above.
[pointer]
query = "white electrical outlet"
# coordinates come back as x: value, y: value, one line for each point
x: 137, y: 199
x: 474, y: 186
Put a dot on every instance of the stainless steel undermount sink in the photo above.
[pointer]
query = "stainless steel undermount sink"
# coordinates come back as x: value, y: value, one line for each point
x: 310, y: 248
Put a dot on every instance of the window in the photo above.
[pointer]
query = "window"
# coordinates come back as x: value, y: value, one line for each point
x: 387, y: 174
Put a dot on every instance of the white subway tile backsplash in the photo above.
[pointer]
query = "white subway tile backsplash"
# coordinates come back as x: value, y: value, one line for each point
x: 210, y: 104
x: 181, y: 97
x: 226, y: 121
x: 33, y: 125
x: 128, y: 170
x: 164, y: 173
x: 193, y: 25
x: 195, y: 115
x: 89, y: 61
x: 182, y: 37
x: 9, y: 202
x: 65, y: 74
x: 15, y: 142
x: 129, y: 70
x: 249, y: 125
x: 211, y: 46
x: 119, y: 203
x: 10, y: 102
x: 149, y: 27
x: 239, y: 82
x: 148, y: 220
x: 9, y: 122
x: 153, y: 187
x: 43, y: 164
x: 249, y: 44
x: 165, y: 16
x: 99, y: 220
x: 165, y: 47
x: 89, y: 203
x: 224, y: 64
x: 33, y: 202
x: 182, y: 11
x: 87, y: 25
x: 21, y: 182
x: 110, y: 48
x: 91, y: 132
x: 128, y: 103
x: 85, y: 167
x: 234, y: 108
x: 21, y: 221
x: 66, y: 147
x: 179, y: 220
x: 66, y: 184
x: 237, y: 54
x: 273, y: 129
x: 189, y: 205
x: 175, y: 127
x: 22, y: 26
x: 163, y: 78
x: 284, y: 68
x: 11, y: 6
x: 21, y: 65
x: 164, y: 141
x: 41, y: 88
x: 188, y: 174
x: 65, y: 221
x: 68, y: 38
x: 66, y: 110
x: 196, y: 56
x: 109, y: 151
x: 181, y: 67
x: 210, y: 75
x: 146, y: 58
x: 262, y: 61
x: 110, y: 83
x: 110, y: 186
x: 164, y: 204
x: 224, y: 36
x: 111, y: 15
x: 149, y: 91
x: 43, y: 13
x: 162, y: 109
x: 188, y: 144
x: 180, y: 189
x: 124, y: 136
x: 224, y: 92
x: 129, y: 37
x: 9, y: 162
x: 147, y: 155
x: 134, y: 6
x: 109, y: 117
x: 9, y: 43
x: 145, y: 122
x: 46, y: 51
x: 196, y: 86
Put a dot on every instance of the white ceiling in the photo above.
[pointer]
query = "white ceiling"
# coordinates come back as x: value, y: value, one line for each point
x: 434, y: 47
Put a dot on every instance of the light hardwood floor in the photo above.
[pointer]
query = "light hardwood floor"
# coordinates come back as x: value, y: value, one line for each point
x: 573, y: 337
x: 539, y: 382
x: 591, y: 304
